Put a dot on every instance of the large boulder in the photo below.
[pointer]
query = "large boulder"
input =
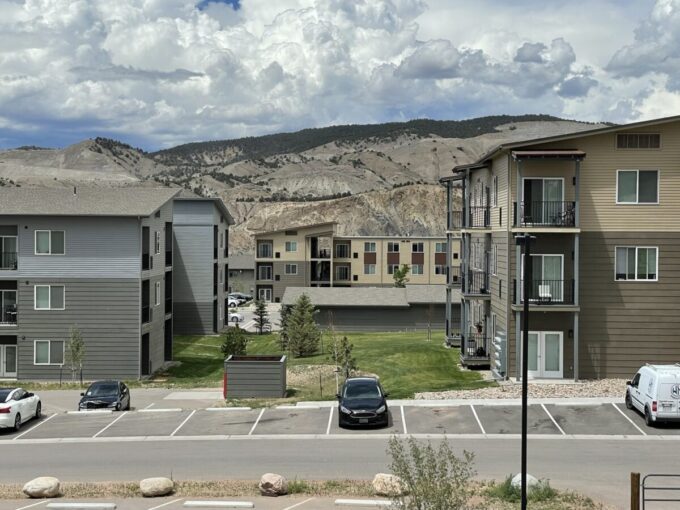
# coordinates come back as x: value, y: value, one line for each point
x: 42, y: 487
x: 388, y: 485
x: 158, y: 486
x: 532, y: 481
x: 272, y: 484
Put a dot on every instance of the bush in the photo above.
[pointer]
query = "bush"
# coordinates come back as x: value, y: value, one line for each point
x: 434, y: 478
x: 234, y: 341
x: 507, y: 492
x: 302, y: 332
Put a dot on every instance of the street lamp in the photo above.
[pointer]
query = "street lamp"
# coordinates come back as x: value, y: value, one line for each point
x: 525, y: 240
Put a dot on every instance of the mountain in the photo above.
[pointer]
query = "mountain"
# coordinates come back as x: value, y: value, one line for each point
x: 372, y: 179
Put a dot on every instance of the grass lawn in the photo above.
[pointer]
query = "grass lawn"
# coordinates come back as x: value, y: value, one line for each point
x: 405, y: 362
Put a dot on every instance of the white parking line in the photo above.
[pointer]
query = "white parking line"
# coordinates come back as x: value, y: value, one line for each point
x: 631, y: 421
x: 114, y: 421
x: 150, y: 405
x: 219, y: 504
x: 403, y: 419
x: 477, y: 418
x: 160, y: 410
x: 166, y: 504
x: 182, y: 424
x: 228, y: 408
x: 330, y: 419
x: 32, y: 505
x: 256, y: 422
x: 382, y: 503
x: 553, y: 420
x: 301, y: 502
x: 33, y: 428
x: 75, y: 505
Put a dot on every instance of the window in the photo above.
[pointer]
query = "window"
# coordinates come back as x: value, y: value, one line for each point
x: 440, y: 247
x: 48, y: 352
x: 342, y: 273
x: 439, y: 269
x: 369, y: 268
x: 157, y: 242
x: 494, y: 259
x: 157, y: 293
x: 417, y: 269
x: 221, y: 280
x: 291, y: 269
x: 49, y: 242
x: 637, y: 187
x: 494, y: 193
x: 264, y: 273
x: 369, y: 247
x: 638, y: 141
x: 49, y: 297
x: 391, y: 268
x: 418, y: 247
x: 393, y: 247
x: 493, y: 325
x: 636, y: 263
x: 291, y: 246
x: 342, y: 251
x: 265, y: 250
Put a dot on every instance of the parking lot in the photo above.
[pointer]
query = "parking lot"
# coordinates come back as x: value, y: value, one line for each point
x: 487, y: 420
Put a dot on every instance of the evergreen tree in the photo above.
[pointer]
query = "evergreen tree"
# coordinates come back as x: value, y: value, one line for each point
x: 234, y: 341
x: 400, y: 275
x: 261, y: 315
x: 283, y: 325
x: 303, y: 333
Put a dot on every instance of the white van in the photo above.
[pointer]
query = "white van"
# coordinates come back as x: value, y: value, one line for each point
x: 655, y: 392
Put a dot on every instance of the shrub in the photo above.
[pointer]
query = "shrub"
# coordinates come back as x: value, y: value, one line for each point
x: 234, y: 342
x: 507, y: 492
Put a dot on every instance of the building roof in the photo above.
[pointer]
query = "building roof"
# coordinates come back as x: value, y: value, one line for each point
x: 242, y: 261
x: 217, y: 201
x: 299, y: 227
x: 83, y: 201
x: 380, y: 297
x: 548, y: 154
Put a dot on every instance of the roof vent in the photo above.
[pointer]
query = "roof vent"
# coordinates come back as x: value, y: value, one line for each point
x: 75, y: 192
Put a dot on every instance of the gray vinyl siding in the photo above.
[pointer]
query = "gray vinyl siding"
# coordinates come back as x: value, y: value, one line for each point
x: 385, y: 319
x: 105, y: 310
x: 157, y: 225
x: 242, y: 280
x: 156, y: 326
x: 286, y: 280
x: 500, y: 288
x: 194, y: 212
x: 247, y: 379
x: 192, y: 318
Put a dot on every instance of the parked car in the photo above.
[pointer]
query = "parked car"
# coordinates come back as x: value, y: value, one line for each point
x: 235, y: 317
x: 655, y: 392
x: 243, y: 298
x: 105, y: 395
x: 17, y: 406
x: 361, y: 401
x: 233, y: 302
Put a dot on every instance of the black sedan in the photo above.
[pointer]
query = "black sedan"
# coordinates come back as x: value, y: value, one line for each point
x: 362, y: 402
x: 105, y: 395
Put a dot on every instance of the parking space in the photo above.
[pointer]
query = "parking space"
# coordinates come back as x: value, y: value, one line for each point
x: 659, y: 429
x: 146, y: 424
x: 441, y: 420
x: 508, y: 420
x: 85, y: 424
x: 602, y: 419
x: 299, y: 420
x: 8, y: 433
x: 394, y: 426
x: 219, y: 422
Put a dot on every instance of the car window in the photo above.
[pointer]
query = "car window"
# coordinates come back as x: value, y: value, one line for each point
x: 362, y: 390
x: 102, y: 390
x: 635, y: 381
x: 4, y: 394
x: 19, y: 394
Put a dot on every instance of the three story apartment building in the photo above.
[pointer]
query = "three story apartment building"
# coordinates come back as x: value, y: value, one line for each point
x: 602, y: 206
x: 315, y: 256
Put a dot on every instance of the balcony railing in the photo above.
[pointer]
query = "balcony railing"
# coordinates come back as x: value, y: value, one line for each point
x: 324, y: 253
x: 455, y: 220
x: 476, y: 282
x: 455, y: 276
x: 8, y: 315
x: 8, y: 260
x: 168, y: 305
x: 545, y: 214
x: 474, y: 346
x: 146, y: 314
x: 168, y: 258
x: 480, y: 216
x: 545, y: 292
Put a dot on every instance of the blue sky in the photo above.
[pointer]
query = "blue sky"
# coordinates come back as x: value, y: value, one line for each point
x: 163, y: 72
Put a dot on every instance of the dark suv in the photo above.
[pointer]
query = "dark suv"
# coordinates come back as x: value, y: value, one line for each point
x: 105, y: 395
x: 362, y: 402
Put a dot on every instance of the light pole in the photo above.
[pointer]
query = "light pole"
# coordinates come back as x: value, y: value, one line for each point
x: 525, y: 241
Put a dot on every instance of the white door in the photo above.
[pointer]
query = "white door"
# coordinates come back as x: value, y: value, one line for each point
x: 8, y: 360
x: 546, y: 354
x: 265, y: 295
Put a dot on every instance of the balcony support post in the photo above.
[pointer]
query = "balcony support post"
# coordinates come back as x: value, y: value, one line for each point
x: 577, y: 171
x: 576, y: 346
x: 520, y: 196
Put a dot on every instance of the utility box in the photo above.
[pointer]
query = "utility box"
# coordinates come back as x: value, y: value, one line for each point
x: 254, y: 376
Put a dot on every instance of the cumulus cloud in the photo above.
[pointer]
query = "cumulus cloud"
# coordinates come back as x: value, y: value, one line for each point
x: 162, y: 72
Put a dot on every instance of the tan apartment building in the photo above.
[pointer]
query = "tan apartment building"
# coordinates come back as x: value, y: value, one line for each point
x: 315, y: 256
x: 604, y: 208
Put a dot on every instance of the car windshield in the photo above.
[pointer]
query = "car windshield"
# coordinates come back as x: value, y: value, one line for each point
x: 362, y: 390
x: 4, y: 394
x: 102, y: 390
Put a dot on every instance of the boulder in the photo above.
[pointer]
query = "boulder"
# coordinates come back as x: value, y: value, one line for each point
x: 42, y: 487
x: 532, y: 481
x: 272, y: 484
x: 158, y: 486
x: 388, y: 485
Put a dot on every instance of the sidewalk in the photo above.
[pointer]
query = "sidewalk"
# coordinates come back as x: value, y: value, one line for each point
x: 480, y: 402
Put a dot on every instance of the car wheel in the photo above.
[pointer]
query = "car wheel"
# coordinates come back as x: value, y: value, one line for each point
x: 629, y: 401
x: 648, y: 418
x: 17, y: 422
x: 117, y: 406
x: 127, y: 408
x: 38, y: 411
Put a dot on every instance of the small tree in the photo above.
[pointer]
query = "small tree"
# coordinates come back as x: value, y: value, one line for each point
x: 75, y: 353
x: 348, y: 363
x: 435, y: 479
x: 341, y: 353
x: 303, y: 333
x: 400, y: 276
x: 261, y: 315
x: 234, y: 341
x: 283, y: 327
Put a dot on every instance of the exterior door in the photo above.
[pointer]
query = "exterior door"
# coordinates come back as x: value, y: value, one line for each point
x: 265, y: 295
x: 8, y: 360
x: 546, y: 354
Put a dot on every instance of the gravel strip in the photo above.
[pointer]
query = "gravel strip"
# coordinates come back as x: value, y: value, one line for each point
x: 506, y: 389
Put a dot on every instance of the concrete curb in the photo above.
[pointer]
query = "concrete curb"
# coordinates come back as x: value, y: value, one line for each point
x: 481, y: 402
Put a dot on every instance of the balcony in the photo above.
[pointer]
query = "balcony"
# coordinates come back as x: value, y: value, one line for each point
x: 168, y: 305
x: 454, y: 220
x: 545, y: 214
x: 476, y: 282
x: 8, y: 315
x: 545, y: 292
x: 480, y: 216
x: 474, y: 349
x: 146, y: 314
x: 146, y: 262
x: 8, y: 260
x: 323, y: 253
x: 455, y: 276
x: 168, y: 258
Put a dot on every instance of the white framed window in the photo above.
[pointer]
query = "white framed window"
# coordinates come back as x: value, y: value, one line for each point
x: 494, y: 191
x: 342, y: 273
x: 265, y: 250
x: 342, y: 250
x: 291, y: 269
x: 392, y: 247
x: 637, y: 263
x: 50, y: 242
x: 391, y: 268
x: 264, y: 273
x: 221, y: 277
x: 440, y: 247
x: 416, y: 269
x: 157, y: 293
x: 369, y: 247
x: 48, y: 352
x: 369, y: 268
x: 494, y: 259
x: 48, y: 297
x: 291, y: 246
x: 418, y: 247
x: 157, y: 242
x: 439, y: 269
x: 637, y: 186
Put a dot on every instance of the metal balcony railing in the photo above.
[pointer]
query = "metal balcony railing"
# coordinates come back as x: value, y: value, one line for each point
x: 454, y: 276
x: 8, y: 315
x: 476, y: 282
x: 8, y: 260
x: 545, y: 214
x: 480, y: 216
x: 474, y: 346
x: 545, y: 292
x: 455, y: 220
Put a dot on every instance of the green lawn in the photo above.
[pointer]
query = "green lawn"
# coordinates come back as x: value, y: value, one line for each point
x: 405, y: 362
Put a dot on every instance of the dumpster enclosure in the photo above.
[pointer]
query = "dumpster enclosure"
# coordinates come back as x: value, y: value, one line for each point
x: 254, y: 376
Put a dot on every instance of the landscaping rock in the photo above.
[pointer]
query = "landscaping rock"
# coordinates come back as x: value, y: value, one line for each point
x: 517, y: 481
x: 388, y: 485
x: 158, y: 486
x: 272, y: 484
x: 42, y: 487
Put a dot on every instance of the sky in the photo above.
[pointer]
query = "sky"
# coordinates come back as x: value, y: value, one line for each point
x: 158, y: 73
